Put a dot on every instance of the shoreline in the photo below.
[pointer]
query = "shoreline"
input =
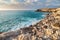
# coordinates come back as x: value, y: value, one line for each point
x: 46, y: 29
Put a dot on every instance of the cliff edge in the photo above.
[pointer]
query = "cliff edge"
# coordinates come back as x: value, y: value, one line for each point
x: 47, y: 29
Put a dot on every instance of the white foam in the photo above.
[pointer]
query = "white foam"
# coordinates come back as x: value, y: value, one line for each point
x: 25, y: 24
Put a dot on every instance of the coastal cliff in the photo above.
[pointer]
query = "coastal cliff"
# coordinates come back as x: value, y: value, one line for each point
x: 47, y: 29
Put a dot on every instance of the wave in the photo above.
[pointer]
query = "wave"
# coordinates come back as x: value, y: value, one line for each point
x: 17, y: 23
x: 17, y: 20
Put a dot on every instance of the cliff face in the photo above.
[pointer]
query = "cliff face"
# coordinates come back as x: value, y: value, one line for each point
x: 47, y: 29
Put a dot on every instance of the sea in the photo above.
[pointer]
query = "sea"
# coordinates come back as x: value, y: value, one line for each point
x: 11, y: 20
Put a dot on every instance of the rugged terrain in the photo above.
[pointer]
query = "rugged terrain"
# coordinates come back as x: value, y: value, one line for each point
x: 47, y: 29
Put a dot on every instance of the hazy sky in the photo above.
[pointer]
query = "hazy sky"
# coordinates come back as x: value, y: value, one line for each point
x: 28, y: 4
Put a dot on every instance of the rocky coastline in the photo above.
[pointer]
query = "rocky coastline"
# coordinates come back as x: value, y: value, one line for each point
x: 47, y: 29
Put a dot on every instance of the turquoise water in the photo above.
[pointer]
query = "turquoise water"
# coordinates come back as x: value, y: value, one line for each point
x: 13, y: 20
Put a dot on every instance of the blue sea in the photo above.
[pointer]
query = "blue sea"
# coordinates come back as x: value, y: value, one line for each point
x: 11, y: 20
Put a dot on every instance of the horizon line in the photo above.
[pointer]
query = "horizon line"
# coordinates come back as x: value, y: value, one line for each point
x: 17, y: 9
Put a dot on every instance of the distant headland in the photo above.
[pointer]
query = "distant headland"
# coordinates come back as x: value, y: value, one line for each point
x: 46, y: 10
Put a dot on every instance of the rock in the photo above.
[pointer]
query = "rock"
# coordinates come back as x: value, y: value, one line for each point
x: 47, y: 10
x: 21, y: 37
x: 47, y: 29
x: 48, y: 32
x: 1, y: 32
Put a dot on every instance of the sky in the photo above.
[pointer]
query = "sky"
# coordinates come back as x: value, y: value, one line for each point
x: 28, y: 4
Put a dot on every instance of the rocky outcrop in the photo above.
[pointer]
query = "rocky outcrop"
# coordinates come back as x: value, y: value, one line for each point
x: 47, y: 29
x: 47, y: 10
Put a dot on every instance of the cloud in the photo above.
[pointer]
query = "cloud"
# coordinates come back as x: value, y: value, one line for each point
x: 8, y: 2
x: 3, y: 2
x: 16, y: 6
x: 30, y: 1
x: 52, y: 3
x: 47, y: 1
x: 28, y: 4
x: 14, y: 1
